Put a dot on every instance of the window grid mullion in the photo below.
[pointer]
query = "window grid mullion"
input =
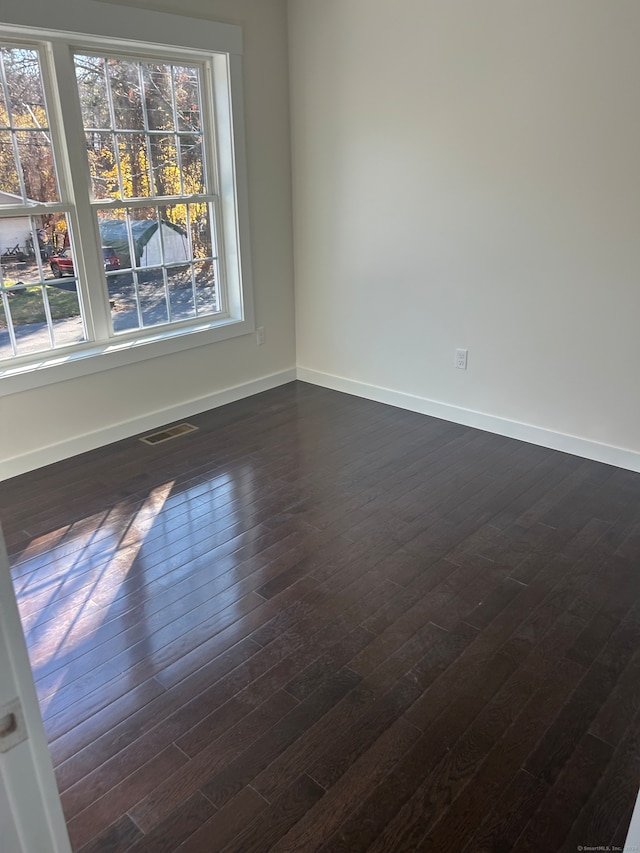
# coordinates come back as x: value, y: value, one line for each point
x: 210, y: 163
x: 221, y: 291
x: 134, y: 272
x: 7, y: 314
x: 142, y: 201
x: 47, y: 314
x: 176, y: 126
x: 112, y: 133
x: 152, y: 187
x: 192, y: 269
x: 165, y: 278
x: 45, y: 297
x: 14, y: 141
x: 36, y: 248
x: 147, y: 139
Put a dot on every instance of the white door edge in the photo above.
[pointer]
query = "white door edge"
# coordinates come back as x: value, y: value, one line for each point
x: 30, y: 812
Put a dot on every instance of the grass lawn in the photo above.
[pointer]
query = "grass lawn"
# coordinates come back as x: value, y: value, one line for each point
x: 27, y: 305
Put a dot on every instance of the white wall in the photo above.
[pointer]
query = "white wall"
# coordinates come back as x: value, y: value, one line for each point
x: 466, y: 174
x: 47, y: 423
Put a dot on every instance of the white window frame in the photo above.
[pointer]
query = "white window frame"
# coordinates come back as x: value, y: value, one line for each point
x: 87, y: 25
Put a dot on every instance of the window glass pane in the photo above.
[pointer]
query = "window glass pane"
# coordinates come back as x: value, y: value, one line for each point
x: 92, y: 89
x: 115, y: 234
x: 181, y: 295
x: 153, y: 301
x: 134, y: 165
x: 192, y: 164
x: 164, y: 163
x: 200, y: 228
x: 50, y: 236
x: 24, y: 85
x: 146, y: 235
x: 17, y: 269
x: 36, y: 159
x: 187, y: 91
x: 4, y: 110
x: 62, y: 264
x: 64, y: 304
x: 35, y: 244
x: 26, y: 305
x: 103, y: 165
x: 158, y: 96
x: 206, y: 291
x: 123, y: 301
x: 15, y: 264
x: 24, y: 130
x: 175, y: 233
x: 9, y: 182
x: 124, y: 82
x: 175, y: 243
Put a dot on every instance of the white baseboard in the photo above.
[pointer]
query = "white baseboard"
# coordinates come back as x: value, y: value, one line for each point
x: 90, y: 441
x: 584, y: 447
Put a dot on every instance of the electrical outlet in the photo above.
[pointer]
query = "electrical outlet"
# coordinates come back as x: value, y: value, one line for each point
x: 260, y: 335
x: 461, y: 359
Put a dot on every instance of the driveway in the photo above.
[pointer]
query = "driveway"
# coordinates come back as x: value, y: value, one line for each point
x: 34, y: 337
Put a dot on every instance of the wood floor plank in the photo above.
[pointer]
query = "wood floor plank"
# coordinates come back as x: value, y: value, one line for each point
x: 287, y: 810
x: 117, y: 837
x: 177, y: 827
x: 612, y: 799
x: 337, y: 757
x: 348, y: 730
x: 361, y: 779
x: 220, y: 830
x: 100, y: 710
x: 505, y: 823
x: 107, y: 808
x: 564, y: 801
x: 149, y: 809
x: 246, y: 767
x: 576, y: 717
x: 621, y: 707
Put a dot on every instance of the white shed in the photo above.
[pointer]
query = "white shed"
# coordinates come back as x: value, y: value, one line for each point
x: 150, y: 238
x: 14, y: 230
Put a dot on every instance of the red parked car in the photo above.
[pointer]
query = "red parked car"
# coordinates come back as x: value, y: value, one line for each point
x: 62, y: 263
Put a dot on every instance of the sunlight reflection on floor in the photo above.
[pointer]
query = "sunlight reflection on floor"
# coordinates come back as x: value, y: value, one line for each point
x: 52, y: 639
x: 103, y: 599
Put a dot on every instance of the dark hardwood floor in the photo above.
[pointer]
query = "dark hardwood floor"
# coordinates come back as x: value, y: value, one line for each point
x: 324, y: 624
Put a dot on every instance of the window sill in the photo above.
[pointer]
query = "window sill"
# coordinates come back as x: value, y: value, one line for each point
x: 60, y: 366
